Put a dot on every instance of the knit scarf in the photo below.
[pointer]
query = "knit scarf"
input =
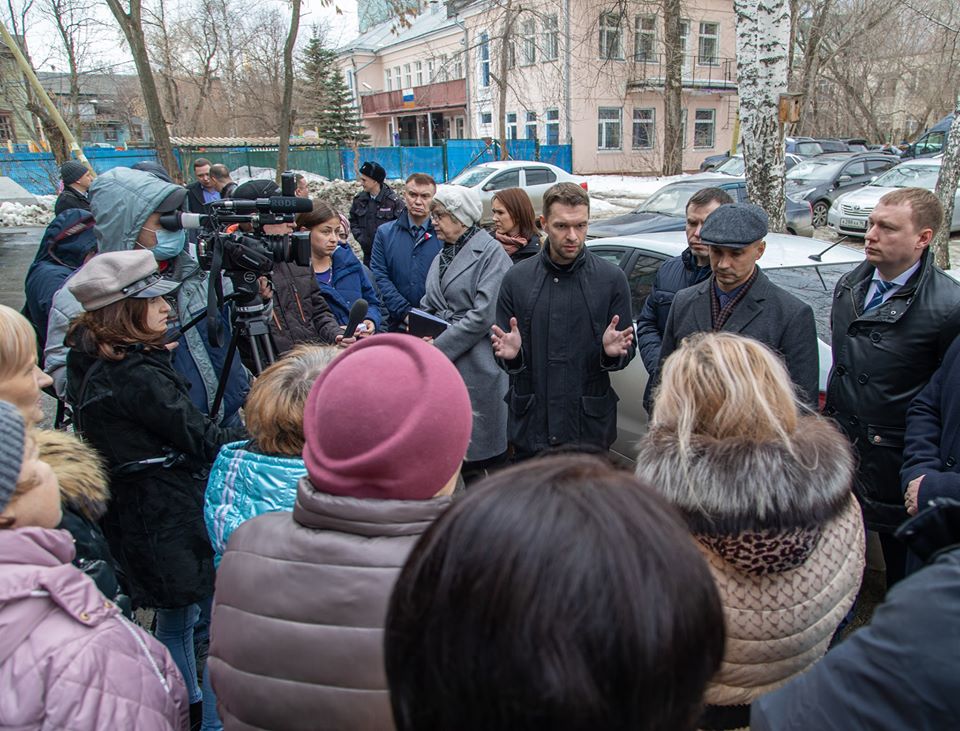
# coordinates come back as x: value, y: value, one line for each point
x: 449, y: 251
x: 511, y: 244
x: 720, y: 315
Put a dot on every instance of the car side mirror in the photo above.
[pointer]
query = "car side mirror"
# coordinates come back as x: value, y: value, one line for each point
x: 488, y: 186
x: 872, y: 178
x: 844, y: 179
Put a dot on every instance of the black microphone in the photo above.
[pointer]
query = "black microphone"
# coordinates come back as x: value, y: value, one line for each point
x: 357, y: 314
x: 275, y: 204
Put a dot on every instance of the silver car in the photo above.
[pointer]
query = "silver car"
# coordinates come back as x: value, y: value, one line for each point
x: 809, y: 268
x: 849, y: 212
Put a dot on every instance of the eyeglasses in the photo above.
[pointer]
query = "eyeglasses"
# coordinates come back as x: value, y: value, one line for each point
x: 438, y: 215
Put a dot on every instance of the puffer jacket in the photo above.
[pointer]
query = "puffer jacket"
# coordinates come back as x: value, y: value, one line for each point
x: 881, y: 361
x: 122, y: 199
x: 783, y: 537
x: 68, y: 659
x: 301, y: 601
x: 244, y: 484
x: 350, y: 283
x: 300, y: 312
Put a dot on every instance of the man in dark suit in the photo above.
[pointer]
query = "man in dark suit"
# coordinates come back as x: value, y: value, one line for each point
x: 203, y: 190
x: 739, y: 298
x: 76, y: 182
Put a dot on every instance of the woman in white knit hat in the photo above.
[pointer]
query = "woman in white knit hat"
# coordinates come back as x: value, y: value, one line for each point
x: 462, y: 288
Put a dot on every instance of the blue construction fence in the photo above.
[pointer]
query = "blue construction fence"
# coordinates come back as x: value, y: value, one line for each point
x: 39, y: 174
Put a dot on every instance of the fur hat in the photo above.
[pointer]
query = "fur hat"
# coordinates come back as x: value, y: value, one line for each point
x: 71, y: 171
x: 373, y: 170
x: 399, y: 443
x: 79, y: 470
x: 461, y: 203
x: 12, y: 436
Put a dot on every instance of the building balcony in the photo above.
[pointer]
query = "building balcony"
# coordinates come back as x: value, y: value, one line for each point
x: 426, y: 98
x: 710, y: 74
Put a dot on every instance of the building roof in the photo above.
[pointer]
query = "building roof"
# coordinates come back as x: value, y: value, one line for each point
x: 106, y: 85
x: 390, y: 32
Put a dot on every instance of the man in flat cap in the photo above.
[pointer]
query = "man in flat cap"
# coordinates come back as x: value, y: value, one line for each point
x: 372, y: 207
x: 76, y: 179
x: 739, y: 298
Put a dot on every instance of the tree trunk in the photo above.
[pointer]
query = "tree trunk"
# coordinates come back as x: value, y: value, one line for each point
x: 132, y: 27
x: 763, y: 35
x: 501, y: 78
x: 672, y: 89
x: 286, y: 110
x: 946, y: 190
x: 811, y: 53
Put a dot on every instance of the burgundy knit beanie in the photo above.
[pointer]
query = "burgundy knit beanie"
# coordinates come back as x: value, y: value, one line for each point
x: 389, y: 419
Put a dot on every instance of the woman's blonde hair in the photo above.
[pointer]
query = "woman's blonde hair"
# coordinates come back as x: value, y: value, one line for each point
x: 724, y: 386
x: 274, y: 408
x: 18, y: 342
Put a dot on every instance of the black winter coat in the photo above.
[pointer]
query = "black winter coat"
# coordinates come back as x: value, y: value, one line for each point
x: 881, y: 361
x: 367, y: 214
x: 560, y: 392
x: 139, y: 409
x: 675, y: 274
x: 70, y: 198
x: 899, y: 672
x: 932, y: 442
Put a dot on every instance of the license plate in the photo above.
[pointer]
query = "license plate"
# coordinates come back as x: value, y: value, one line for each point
x: 853, y: 223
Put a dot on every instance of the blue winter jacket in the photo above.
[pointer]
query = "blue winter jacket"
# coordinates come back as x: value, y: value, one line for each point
x: 400, y: 265
x: 243, y: 485
x: 350, y: 283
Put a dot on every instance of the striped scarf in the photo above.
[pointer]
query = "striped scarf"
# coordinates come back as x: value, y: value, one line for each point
x: 449, y: 251
x: 719, y: 315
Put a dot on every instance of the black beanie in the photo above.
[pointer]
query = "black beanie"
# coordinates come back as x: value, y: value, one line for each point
x: 71, y: 171
x: 373, y: 170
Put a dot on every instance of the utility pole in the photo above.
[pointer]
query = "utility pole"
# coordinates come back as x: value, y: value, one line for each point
x: 43, y: 96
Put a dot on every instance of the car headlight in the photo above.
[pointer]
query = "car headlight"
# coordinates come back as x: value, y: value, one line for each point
x: 800, y: 195
x: 835, y: 206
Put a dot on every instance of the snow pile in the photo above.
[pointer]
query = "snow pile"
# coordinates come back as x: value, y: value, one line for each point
x: 17, y: 214
x: 611, y: 195
x: 245, y: 173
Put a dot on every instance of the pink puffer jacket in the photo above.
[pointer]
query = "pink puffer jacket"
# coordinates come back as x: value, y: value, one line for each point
x: 68, y: 658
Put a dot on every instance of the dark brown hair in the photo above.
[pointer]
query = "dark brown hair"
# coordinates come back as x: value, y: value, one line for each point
x: 925, y: 208
x: 568, y: 194
x: 110, y: 331
x: 704, y: 196
x: 421, y: 179
x: 200, y: 162
x: 220, y: 172
x: 520, y: 208
x: 559, y: 594
x: 322, y: 211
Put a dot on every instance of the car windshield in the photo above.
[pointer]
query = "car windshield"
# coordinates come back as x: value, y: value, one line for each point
x: 810, y: 171
x: 671, y: 200
x: 733, y: 166
x: 806, y: 283
x: 809, y: 148
x: 472, y: 176
x: 909, y: 176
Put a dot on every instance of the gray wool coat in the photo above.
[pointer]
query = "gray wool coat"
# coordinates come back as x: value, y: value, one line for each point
x: 466, y: 297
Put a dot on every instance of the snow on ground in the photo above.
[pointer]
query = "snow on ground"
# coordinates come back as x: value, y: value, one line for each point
x: 611, y: 195
x: 17, y: 214
x: 247, y: 172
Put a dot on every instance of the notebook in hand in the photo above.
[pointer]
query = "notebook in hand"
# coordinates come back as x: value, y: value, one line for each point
x: 424, y: 325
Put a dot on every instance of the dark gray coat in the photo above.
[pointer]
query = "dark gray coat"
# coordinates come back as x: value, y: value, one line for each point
x: 767, y: 313
x: 466, y: 296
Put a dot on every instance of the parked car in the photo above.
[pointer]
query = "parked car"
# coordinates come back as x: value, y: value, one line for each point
x: 857, y: 144
x: 829, y: 145
x: 665, y: 210
x: 931, y: 142
x: 849, y: 212
x: 533, y: 177
x: 734, y: 165
x: 712, y: 161
x: 819, y: 181
x: 808, y: 268
x: 803, y: 146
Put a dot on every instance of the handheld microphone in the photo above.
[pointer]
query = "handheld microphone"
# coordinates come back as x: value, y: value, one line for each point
x: 357, y: 314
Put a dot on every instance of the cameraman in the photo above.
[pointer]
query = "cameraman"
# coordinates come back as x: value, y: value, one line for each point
x: 299, y: 312
x: 127, y: 205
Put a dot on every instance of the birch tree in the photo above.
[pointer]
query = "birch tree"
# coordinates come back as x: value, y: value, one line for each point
x: 763, y: 38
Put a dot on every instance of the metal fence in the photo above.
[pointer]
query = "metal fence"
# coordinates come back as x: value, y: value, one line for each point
x: 38, y: 172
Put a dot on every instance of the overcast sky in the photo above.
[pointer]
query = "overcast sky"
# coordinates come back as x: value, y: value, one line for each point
x: 110, y: 49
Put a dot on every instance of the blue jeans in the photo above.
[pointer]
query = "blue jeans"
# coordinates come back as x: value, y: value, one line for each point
x: 175, y: 630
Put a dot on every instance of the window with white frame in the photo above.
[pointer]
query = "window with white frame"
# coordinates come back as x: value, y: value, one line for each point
x: 483, y: 57
x: 511, y: 53
x: 351, y: 85
x: 645, y: 45
x: 444, y: 71
x: 458, y: 65
x: 551, y: 38
x: 531, y: 126
x: 431, y: 70
x: 528, y: 33
x: 387, y: 81
x: 407, y: 76
x: 644, y: 128
x: 708, y: 52
x: 461, y: 127
x: 511, y: 124
x: 704, y: 125
x: 609, y: 126
x: 418, y: 72
x: 551, y: 127
x: 486, y: 118
x: 396, y: 78
x: 611, y: 36
x: 684, y: 42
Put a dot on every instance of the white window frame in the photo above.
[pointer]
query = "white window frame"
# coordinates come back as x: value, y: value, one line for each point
x: 488, y: 121
x: 530, y: 125
x: 551, y: 39
x: 648, y: 118
x: 418, y: 72
x: 708, y: 122
x: 431, y: 70
x: 397, y: 86
x: 407, y: 76
x: 483, y: 61
x: 388, y: 80
x: 611, y: 36
x: 528, y: 34
x: 510, y: 125
x: 551, y: 121
x: 715, y: 37
x: 605, y: 127
x: 645, y: 38
x: 458, y: 72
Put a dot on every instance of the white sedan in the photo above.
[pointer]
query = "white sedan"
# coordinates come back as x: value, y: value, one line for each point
x: 809, y: 268
x: 533, y: 177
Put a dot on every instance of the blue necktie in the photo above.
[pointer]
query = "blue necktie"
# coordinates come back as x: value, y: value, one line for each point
x: 877, y: 299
